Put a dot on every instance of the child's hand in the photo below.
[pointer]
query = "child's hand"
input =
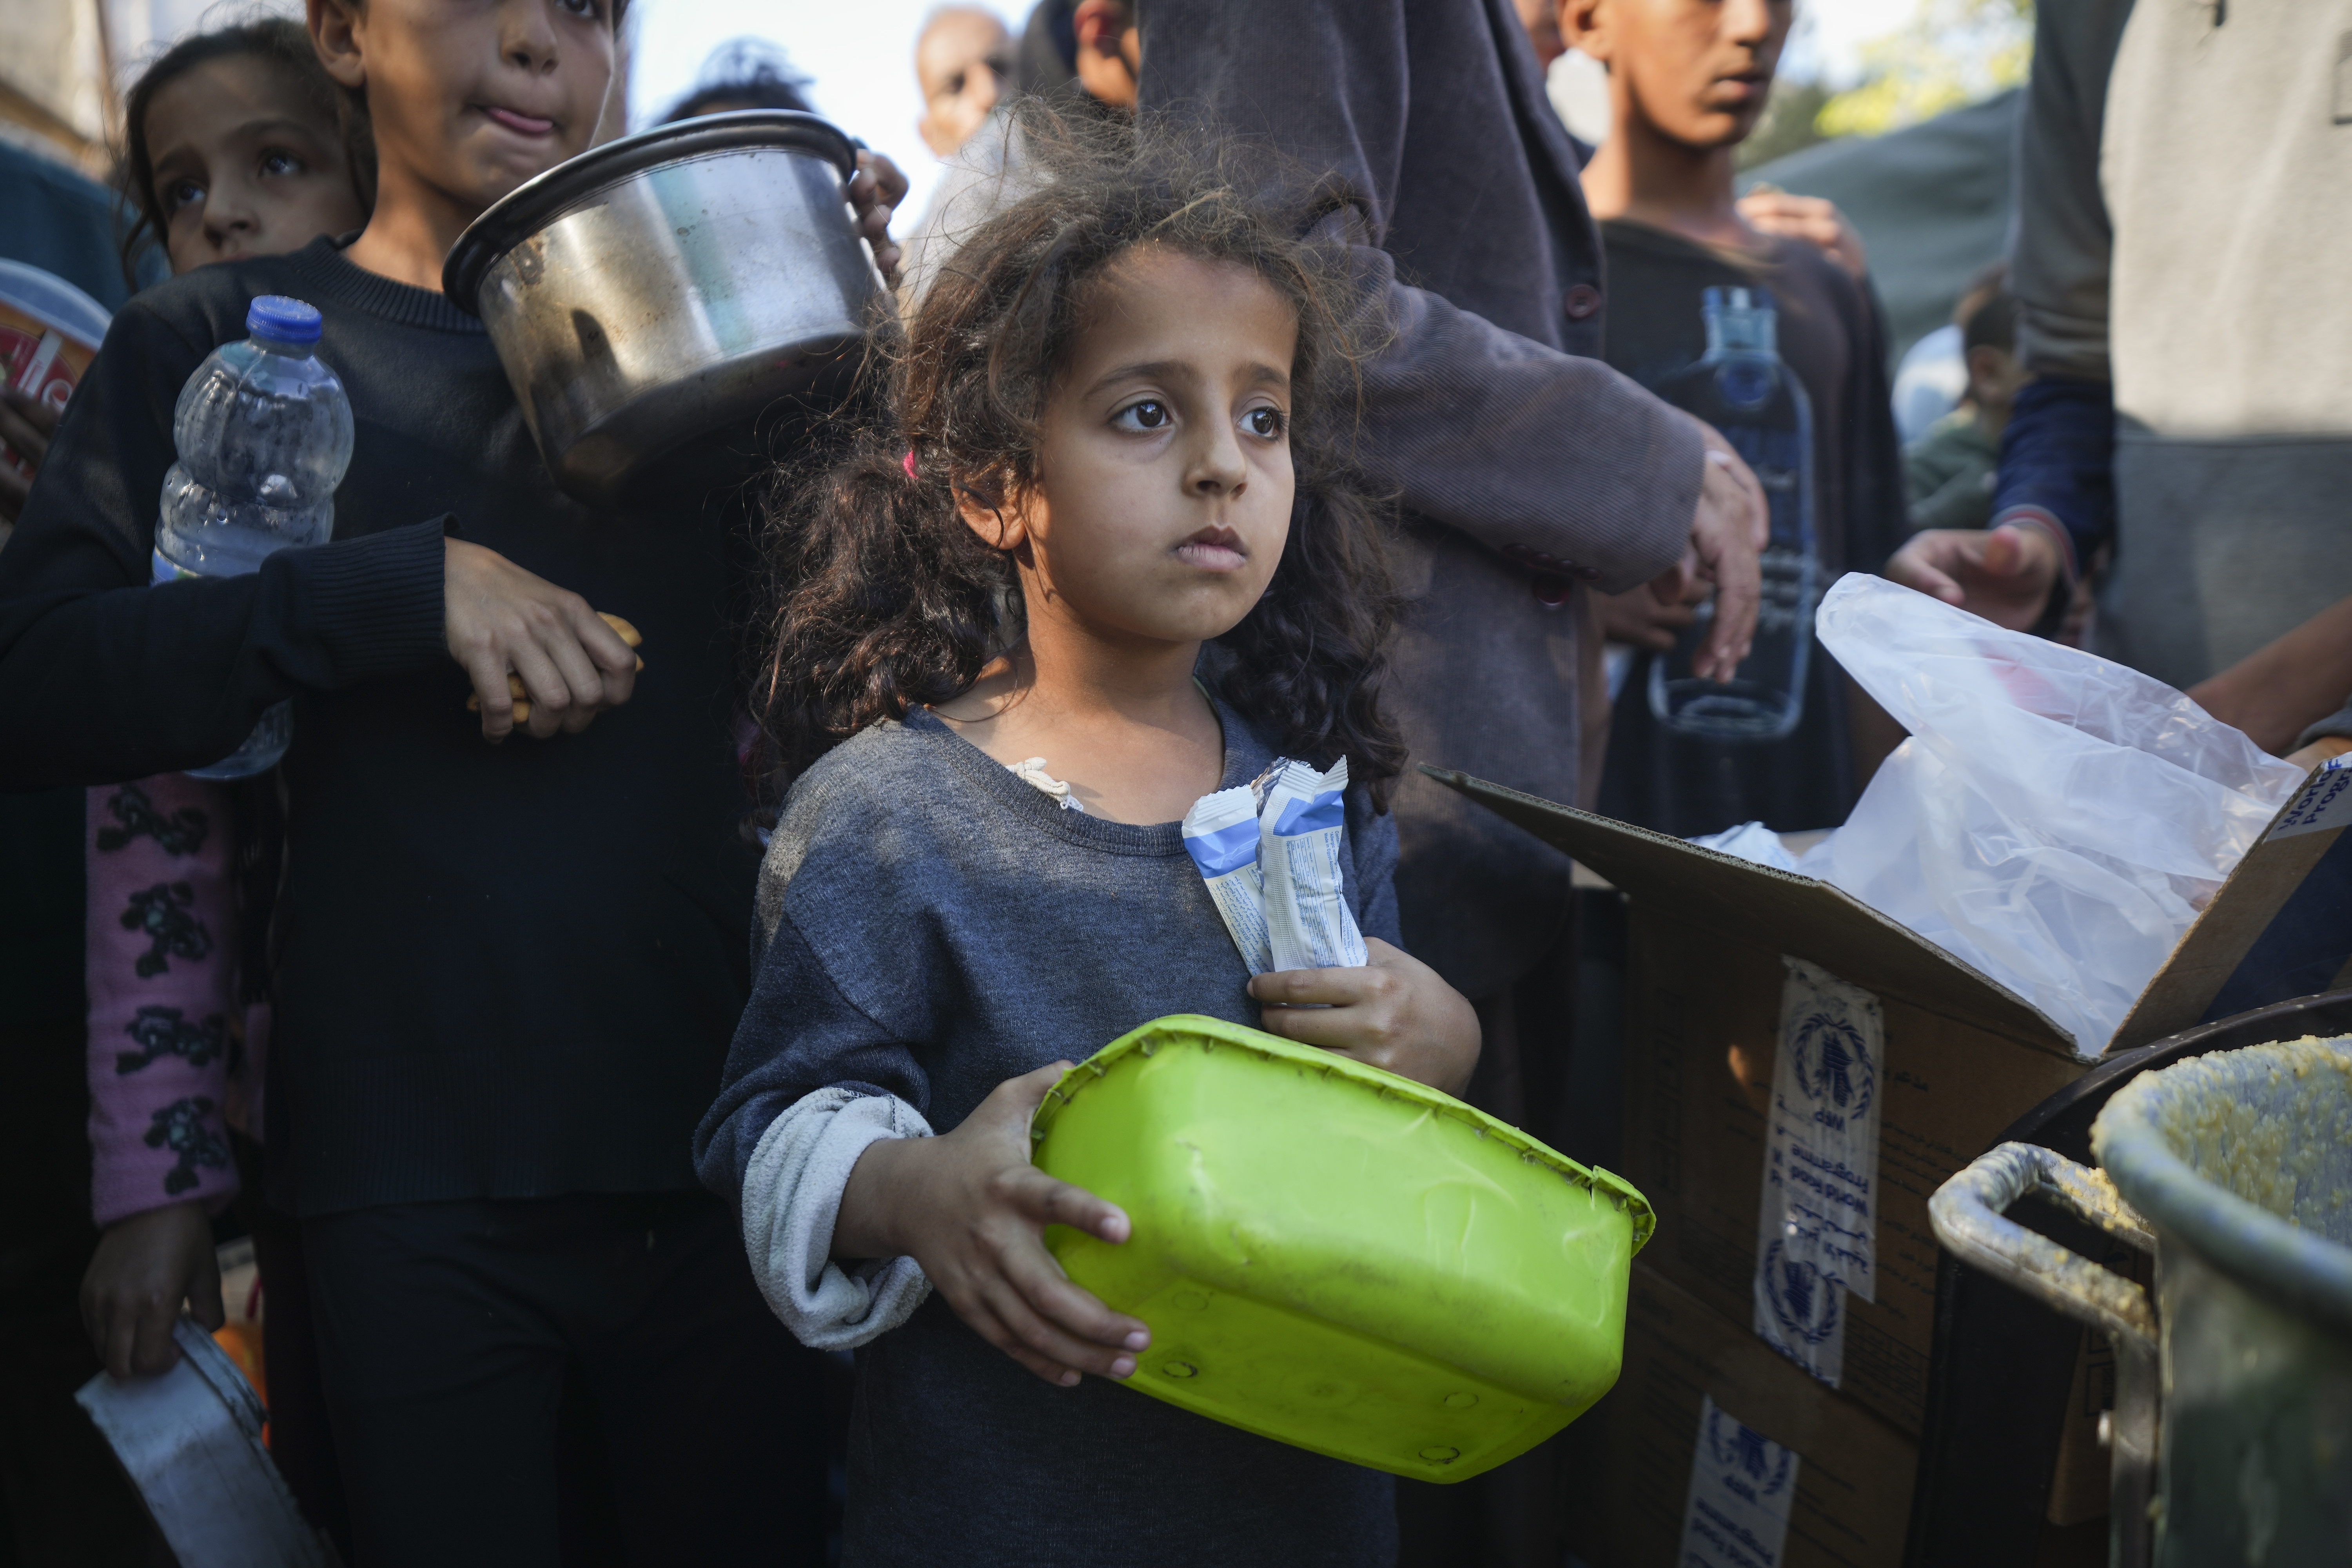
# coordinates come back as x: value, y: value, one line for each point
x: 1810, y: 218
x: 875, y: 192
x: 131, y: 1294
x: 1394, y: 1013
x: 571, y: 663
x: 2004, y: 573
x: 26, y: 425
x: 971, y: 1208
x: 1639, y: 619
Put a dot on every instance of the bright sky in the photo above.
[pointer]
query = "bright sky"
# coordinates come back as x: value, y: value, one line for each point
x: 1830, y: 34
x: 860, y: 52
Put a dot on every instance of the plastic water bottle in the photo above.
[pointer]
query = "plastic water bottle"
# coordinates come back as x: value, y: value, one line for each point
x: 1744, y: 389
x: 264, y: 433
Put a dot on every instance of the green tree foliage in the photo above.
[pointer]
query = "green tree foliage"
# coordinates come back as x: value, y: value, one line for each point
x: 1950, y: 53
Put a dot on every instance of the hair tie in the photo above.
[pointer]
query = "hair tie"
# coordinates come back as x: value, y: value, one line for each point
x: 909, y: 463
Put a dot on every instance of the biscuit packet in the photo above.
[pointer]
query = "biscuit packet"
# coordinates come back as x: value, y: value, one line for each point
x: 1302, y: 842
x: 1221, y: 834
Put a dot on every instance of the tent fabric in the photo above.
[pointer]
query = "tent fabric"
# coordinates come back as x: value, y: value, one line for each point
x: 1932, y: 201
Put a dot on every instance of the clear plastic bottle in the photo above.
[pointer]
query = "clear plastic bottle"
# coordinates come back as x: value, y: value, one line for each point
x: 264, y: 433
x: 1744, y: 389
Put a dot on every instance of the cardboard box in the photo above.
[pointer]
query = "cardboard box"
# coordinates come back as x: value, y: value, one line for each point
x: 1698, y: 1067
x: 1852, y: 1498
x: 1963, y: 1057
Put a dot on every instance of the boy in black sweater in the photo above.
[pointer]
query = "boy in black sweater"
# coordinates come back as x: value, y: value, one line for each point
x: 509, y: 971
x: 1688, y: 80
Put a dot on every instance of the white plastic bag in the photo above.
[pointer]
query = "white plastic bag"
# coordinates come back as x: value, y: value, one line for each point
x: 2056, y: 820
x: 1750, y: 841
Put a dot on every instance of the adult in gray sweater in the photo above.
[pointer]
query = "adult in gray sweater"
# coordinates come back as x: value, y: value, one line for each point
x: 1526, y: 467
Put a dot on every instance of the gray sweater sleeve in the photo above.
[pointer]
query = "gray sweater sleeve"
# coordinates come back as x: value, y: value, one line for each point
x: 2059, y: 256
x: 1502, y: 438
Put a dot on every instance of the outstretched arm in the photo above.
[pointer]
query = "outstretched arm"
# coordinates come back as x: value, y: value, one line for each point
x: 2289, y: 693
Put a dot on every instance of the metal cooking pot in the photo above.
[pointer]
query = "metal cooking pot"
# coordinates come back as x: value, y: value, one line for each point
x: 669, y: 286
x: 190, y: 1440
x: 2232, y: 1434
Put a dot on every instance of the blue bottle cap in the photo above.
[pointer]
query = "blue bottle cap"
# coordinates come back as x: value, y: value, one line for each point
x: 283, y: 321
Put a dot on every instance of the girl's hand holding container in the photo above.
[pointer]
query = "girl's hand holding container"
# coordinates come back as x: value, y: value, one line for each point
x: 971, y: 1208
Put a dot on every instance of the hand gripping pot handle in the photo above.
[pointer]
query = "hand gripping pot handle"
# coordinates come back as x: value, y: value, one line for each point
x: 1967, y: 1214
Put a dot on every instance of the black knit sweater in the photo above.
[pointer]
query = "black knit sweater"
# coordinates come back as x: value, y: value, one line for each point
x: 506, y: 971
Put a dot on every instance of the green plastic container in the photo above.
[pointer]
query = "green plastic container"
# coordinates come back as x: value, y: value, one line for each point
x: 1336, y: 1257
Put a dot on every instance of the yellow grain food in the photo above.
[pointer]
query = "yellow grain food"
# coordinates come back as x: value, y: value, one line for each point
x: 2271, y: 1150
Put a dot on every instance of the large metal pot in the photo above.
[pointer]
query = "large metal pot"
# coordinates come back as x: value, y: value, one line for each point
x: 669, y: 286
x: 2233, y: 1426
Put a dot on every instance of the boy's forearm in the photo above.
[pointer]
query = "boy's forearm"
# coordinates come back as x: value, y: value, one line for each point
x: 102, y: 679
x: 2278, y: 692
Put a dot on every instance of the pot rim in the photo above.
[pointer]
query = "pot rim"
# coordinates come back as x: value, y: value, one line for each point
x: 2262, y: 1251
x: 541, y: 200
x: 1210, y: 1034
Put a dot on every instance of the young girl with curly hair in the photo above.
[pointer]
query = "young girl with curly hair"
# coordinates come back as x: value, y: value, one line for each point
x: 1103, y: 563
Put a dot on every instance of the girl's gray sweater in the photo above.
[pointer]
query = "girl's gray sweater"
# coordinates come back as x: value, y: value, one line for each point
x: 933, y: 926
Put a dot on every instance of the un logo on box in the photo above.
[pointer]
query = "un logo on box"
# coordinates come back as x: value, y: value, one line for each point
x: 1804, y: 1302
x: 1832, y: 1064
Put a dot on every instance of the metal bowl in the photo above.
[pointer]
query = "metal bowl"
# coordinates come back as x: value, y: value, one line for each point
x: 669, y: 286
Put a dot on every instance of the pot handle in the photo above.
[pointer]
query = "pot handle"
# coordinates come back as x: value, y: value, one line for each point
x: 1966, y: 1212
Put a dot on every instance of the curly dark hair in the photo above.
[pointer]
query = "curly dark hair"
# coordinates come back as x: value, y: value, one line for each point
x: 285, y: 47
x: 885, y: 600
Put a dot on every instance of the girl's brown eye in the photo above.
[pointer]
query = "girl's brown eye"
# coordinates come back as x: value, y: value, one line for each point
x: 182, y: 193
x: 1265, y: 422
x: 1149, y: 414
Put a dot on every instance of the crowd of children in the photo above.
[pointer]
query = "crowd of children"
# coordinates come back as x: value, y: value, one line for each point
x: 585, y: 1065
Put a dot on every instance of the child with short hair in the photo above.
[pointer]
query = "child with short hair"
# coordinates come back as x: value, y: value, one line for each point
x: 1687, y: 80
x: 1103, y: 563
x: 1950, y: 470
x: 508, y: 971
